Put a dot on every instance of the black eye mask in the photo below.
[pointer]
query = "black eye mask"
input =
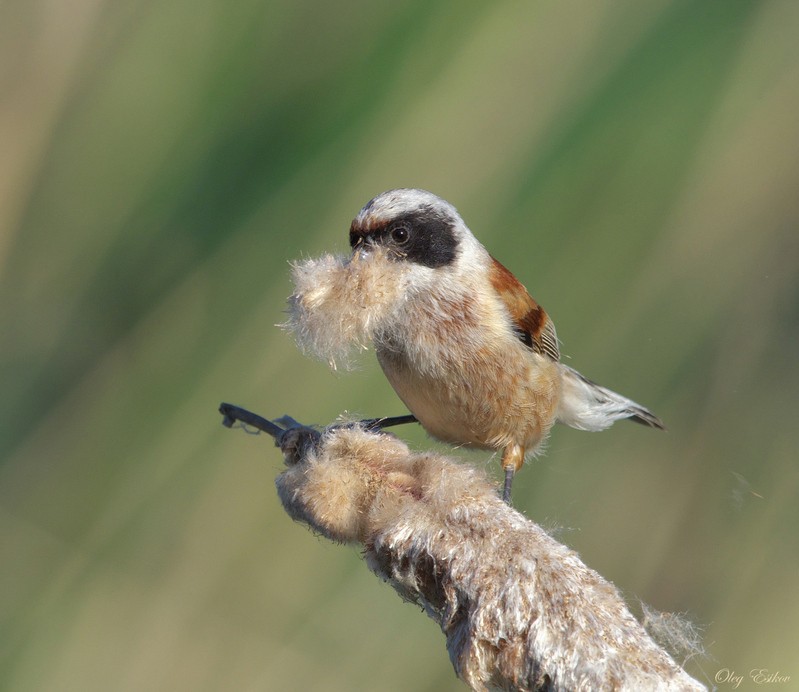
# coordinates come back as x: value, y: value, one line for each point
x: 424, y: 236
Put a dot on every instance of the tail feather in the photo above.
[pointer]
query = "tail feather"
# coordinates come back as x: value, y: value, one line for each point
x: 586, y: 405
x: 644, y: 416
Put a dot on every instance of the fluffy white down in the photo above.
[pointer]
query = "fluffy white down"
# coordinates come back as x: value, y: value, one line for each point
x: 340, y: 303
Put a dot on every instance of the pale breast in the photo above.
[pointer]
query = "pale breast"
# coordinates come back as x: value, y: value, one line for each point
x: 469, y: 385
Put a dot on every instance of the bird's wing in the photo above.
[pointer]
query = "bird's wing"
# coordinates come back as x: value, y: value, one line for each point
x: 530, y: 321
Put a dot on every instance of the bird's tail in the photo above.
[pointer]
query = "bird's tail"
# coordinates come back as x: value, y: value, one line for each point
x: 585, y: 405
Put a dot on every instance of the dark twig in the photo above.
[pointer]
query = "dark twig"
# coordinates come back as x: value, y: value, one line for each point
x: 231, y: 414
x: 294, y: 438
x: 387, y: 422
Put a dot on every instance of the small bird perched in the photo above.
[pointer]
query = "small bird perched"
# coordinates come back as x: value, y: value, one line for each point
x: 467, y: 349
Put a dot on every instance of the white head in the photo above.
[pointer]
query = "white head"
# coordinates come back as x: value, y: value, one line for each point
x: 407, y: 244
x: 414, y: 226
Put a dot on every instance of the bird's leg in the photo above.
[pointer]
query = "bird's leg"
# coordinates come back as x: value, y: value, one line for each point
x: 512, y: 460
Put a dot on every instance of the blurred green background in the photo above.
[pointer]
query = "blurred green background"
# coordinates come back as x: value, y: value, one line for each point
x: 635, y: 164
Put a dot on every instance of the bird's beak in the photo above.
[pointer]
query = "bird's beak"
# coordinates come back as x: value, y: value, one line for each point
x: 364, y: 247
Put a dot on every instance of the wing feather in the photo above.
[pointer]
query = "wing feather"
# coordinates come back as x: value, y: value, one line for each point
x: 530, y: 320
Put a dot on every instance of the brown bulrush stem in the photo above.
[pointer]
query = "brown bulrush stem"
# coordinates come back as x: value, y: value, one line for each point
x: 519, y: 610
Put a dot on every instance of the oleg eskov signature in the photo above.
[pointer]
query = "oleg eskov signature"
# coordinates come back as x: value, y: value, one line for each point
x: 759, y: 676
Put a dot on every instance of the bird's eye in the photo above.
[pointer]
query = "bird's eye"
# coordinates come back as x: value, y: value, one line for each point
x: 400, y: 233
x: 355, y: 239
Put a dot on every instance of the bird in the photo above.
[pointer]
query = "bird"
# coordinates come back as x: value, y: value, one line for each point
x: 474, y: 358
